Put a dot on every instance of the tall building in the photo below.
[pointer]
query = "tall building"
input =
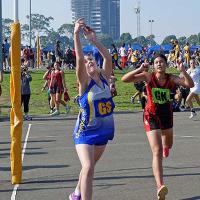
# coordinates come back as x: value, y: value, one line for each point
x: 102, y: 15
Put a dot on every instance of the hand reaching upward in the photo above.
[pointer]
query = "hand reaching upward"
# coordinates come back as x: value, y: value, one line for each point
x: 79, y: 24
x: 89, y: 33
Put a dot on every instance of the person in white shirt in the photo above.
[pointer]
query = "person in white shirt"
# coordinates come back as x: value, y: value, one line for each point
x: 123, y: 55
x: 194, y: 72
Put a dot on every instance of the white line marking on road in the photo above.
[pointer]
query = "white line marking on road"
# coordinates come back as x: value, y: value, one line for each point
x: 186, y: 136
x: 23, y: 152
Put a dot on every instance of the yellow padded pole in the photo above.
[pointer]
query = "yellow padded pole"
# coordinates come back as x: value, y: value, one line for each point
x: 16, y: 120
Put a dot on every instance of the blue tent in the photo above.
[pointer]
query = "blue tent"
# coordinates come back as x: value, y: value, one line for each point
x: 154, y: 48
x: 136, y: 47
x: 194, y: 47
x: 49, y: 48
x: 166, y: 48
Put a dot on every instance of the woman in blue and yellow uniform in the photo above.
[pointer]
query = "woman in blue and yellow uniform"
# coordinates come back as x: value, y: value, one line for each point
x: 95, y: 124
x: 158, y: 116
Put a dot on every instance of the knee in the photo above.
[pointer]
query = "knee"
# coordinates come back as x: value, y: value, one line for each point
x: 88, y: 170
x: 157, y: 151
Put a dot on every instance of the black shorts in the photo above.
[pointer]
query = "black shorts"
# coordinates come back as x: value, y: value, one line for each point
x: 55, y: 90
x: 153, y: 121
x: 184, y: 92
x: 139, y: 86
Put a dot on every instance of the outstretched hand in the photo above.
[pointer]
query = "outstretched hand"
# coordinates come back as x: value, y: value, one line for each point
x: 144, y: 66
x: 180, y: 66
x: 78, y: 25
x: 89, y: 33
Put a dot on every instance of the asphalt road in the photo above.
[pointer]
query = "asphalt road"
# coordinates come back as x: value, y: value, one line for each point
x: 51, y: 166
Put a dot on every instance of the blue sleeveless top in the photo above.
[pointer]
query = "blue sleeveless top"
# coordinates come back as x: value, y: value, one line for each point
x: 95, y: 123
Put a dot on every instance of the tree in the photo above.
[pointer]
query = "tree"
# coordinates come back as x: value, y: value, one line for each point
x: 105, y: 39
x: 182, y: 40
x: 39, y: 24
x: 168, y: 39
x: 6, y: 23
x: 25, y: 32
x: 199, y: 38
x: 140, y: 40
x: 150, y: 40
x: 193, y: 39
x: 66, y: 29
x: 126, y: 38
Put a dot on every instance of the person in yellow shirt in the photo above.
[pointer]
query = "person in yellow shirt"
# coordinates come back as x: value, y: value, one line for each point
x: 187, y: 53
x: 134, y: 58
x: 177, y: 49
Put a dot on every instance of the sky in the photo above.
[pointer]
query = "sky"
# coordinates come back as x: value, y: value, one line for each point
x: 171, y: 17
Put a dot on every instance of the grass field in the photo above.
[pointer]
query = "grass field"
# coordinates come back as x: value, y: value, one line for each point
x: 39, y: 103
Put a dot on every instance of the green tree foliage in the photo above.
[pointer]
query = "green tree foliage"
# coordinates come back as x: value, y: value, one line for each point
x: 66, y: 29
x: 168, y: 39
x: 39, y: 24
x: 199, y: 38
x: 126, y: 38
x: 150, y: 40
x: 140, y: 40
x: 25, y: 32
x: 6, y: 23
x: 105, y: 39
x: 193, y: 40
x: 182, y: 41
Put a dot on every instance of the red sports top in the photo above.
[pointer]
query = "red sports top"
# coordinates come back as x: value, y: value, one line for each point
x: 159, y: 96
x: 56, y: 79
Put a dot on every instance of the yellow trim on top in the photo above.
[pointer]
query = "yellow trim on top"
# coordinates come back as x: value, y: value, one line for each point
x: 90, y: 105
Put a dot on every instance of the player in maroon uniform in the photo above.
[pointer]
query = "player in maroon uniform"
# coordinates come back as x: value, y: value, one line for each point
x: 158, y: 115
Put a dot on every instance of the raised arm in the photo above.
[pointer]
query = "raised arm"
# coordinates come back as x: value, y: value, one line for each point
x: 185, y: 79
x: 80, y: 64
x: 107, y: 58
x: 137, y: 75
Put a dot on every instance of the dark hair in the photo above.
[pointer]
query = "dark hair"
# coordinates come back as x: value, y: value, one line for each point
x: 59, y: 63
x: 161, y: 56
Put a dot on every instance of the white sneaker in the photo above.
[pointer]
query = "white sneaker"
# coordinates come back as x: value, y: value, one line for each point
x: 132, y: 99
x: 192, y: 114
x: 56, y: 112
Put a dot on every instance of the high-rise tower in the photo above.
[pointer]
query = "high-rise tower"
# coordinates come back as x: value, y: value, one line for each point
x: 102, y: 15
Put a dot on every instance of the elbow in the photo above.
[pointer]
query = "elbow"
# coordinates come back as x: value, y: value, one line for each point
x: 191, y: 84
x: 125, y: 79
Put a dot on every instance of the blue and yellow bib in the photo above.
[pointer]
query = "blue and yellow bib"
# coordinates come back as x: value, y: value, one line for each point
x: 95, y: 122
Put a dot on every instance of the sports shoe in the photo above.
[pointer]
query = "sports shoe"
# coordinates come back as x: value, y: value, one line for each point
x: 165, y: 152
x: 192, y: 114
x: 51, y: 111
x: 27, y: 118
x: 162, y: 192
x: 72, y: 196
x: 56, y: 112
x: 132, y: 99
